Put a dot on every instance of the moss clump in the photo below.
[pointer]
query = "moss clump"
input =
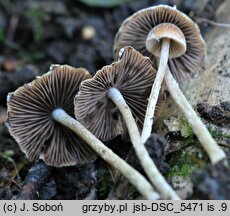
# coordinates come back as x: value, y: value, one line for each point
x: 185, y: 128
x: 182, y: 164
x: 180, y: 126
x: 217, y: 134
x: 104, y: 183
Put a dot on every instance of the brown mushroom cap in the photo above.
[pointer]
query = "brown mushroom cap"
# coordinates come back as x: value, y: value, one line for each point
x: 29, y: 117
x: 170, y: 31
x: 133, y: 75
x: 135, y: 29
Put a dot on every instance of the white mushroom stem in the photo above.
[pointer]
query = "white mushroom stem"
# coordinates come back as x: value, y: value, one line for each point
x: 147, y: 163
x: 141, y: 184
x: 153, y: 98
x: 214, y: 152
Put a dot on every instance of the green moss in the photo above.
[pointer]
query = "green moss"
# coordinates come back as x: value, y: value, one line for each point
x: 187, y: 132
x: 185, y: 128
x: 217, y: 134
x: 104, y: 183
x: 182, y: 164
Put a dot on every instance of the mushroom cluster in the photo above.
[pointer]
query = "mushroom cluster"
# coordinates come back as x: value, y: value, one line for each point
x: 40, y: 118
x: 174, y: 43
x: 63, y: 116
x: 124, y: 85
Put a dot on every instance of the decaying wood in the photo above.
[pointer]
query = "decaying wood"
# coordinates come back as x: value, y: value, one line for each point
x: 209, y: 91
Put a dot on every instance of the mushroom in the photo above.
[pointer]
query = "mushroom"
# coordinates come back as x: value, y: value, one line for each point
x: 124, y: 85
x: 38, y: 113
x: 30, y: 119
x: 173, y: 42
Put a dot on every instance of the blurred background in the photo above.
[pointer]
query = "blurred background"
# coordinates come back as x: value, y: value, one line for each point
x: 37, y: 33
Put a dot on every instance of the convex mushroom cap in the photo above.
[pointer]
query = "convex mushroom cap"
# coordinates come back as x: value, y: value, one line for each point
x: 142, y: 25
x: 133, y: 75
x: 30, y: 122
x: 170, y: 31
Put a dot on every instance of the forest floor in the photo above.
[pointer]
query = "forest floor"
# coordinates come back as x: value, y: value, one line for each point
x: 35, y: 34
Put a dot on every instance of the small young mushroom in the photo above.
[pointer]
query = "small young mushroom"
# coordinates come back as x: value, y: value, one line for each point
x: 125, y: 85
x: 38, y: 113
x: 173, y: 41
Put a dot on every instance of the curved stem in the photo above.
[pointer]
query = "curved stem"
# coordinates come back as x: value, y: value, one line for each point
x: 147, y: 163
x: 141, y: 184
x: 214, y: 152
x: 147, y: 127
